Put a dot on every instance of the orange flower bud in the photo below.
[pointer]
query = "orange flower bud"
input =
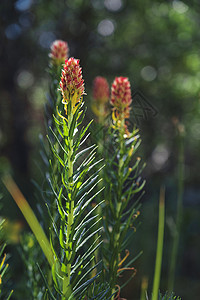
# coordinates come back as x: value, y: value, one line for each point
x: 72, y: 84
x: 59, y: 52
x: 121, y: 96
x: 100, y: 89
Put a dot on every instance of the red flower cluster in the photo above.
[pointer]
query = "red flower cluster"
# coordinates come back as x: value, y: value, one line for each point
x: 121, y: 96
x: 100, y: 90
x: 59, y: 52
x: 71, y: 84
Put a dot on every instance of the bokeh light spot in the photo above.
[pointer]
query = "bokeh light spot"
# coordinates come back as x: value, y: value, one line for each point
x: 113, y: 5
x: 160, y: 156
x: 179, y: 6
x: 25, y: 79
x: 148, y: 73
x: 13, y: 31
x: 22, y: 5
x: 106, y: 27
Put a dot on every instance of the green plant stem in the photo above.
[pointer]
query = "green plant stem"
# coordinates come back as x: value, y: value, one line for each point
x: 159, y: 251
x: 176, y: 236
x: 114, y: 265
x: 70, y: 208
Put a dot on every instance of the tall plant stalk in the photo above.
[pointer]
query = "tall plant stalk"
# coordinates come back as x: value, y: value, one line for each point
x: 116, y: 236
x: 123, y: 182
x: 73, y: 189
x: 70, y: 209
x: 159, y: 251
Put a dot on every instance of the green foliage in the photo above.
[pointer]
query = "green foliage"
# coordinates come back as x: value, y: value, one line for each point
x: 122, y: 194
x: 3, y: 269
x: 168, y: 296
x: 156, y: 34
x: 98, y: 291
x: 73, y: 188
x: 31, y: 256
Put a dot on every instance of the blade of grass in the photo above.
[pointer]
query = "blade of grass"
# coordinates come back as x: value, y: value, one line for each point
x: 30, y: 217
x: 10, y: 295
x: 159, y: 251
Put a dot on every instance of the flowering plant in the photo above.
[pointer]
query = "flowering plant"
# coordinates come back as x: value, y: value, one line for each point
x: 92, y: 208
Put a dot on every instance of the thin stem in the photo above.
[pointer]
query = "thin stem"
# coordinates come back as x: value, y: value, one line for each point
x: 159, y: 252
x: 70, y: 220
x: 114, y: 264
x: 176, y: 236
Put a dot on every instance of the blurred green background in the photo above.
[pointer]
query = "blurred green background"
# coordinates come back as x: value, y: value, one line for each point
x: 154, y: 43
